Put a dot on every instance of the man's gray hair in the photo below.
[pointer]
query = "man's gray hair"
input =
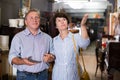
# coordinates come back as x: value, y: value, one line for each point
x: 32, y: 10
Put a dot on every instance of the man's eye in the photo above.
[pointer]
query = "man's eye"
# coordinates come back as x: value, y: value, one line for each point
x: 36, y: 17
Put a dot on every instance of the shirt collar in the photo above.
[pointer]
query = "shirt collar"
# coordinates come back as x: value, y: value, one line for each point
x: 27, y: 31
x: 68, y: 36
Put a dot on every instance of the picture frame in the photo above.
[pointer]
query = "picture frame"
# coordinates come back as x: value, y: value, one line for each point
x: 25, y: 6
x: 112, y: 22
x: 26, y: 3
x: 118, y: 5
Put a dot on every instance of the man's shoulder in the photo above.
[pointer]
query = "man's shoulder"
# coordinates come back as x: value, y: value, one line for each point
x: 19, y: 34
x: 46, y: 35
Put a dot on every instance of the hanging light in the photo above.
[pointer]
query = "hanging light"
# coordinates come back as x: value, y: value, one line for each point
x: 75, y: 5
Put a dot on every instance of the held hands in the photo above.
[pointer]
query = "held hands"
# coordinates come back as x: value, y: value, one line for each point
x: 84, y: 19
x: 48, y: 57
x: 27, y: 62
x: 30, y: 61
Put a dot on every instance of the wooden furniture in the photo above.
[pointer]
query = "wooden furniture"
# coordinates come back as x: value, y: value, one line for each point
x: 100, y: 56
x: 5, y: 69
x: 114, y: 55
x: 101, y: 53
x: 113, y: 59
x: 10, y: 31
x: 0, y: 66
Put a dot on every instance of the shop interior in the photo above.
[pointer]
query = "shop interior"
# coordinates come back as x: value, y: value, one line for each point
x: 102, y: 57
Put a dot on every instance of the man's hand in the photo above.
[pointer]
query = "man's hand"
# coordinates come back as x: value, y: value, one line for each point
x: 27, y: 62
x: 22, y: 61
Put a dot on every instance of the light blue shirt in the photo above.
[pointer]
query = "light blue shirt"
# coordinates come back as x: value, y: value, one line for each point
x: 24, y: 45
x: 65, y: 64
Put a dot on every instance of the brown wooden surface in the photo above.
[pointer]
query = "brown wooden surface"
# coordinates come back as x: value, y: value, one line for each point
x: 0, y: 72
x: 10, y: 31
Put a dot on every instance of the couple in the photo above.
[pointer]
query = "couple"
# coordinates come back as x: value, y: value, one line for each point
x: 32, y: 50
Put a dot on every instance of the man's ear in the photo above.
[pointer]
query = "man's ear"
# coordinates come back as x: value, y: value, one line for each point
x: 25, y: 22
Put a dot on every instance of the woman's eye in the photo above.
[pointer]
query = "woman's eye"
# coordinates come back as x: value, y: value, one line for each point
x: 58, y: 20
x: 64, y: 19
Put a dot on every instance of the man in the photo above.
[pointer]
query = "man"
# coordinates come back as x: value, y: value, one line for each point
x: 30, y: 49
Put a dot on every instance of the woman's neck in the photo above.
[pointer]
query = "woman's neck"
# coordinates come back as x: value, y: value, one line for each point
x: 63, y: 33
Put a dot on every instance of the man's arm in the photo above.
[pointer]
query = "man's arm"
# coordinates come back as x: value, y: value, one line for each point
x: 22, y: 61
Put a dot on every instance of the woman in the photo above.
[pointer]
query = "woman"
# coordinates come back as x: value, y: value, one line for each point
x: 65, y: 63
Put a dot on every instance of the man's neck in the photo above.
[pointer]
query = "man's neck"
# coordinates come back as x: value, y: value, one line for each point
x: 34, y: 31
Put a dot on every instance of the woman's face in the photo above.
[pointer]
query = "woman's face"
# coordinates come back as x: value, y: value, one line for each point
x: 61, y: 23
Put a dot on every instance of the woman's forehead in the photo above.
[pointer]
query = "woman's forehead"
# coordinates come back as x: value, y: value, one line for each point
x: 60, y: 18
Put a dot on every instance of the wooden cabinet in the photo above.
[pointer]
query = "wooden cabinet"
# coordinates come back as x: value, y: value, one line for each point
x: 5, y: 68
x: 10, y: 31
x: 0, y: 72
x: 113, y: 60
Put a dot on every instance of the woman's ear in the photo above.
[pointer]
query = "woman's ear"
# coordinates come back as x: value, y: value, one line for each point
x: 25, y: 22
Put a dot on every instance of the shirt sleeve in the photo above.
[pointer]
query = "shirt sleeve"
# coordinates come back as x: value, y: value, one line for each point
x: 51, y: 46
x: 81, y: 42
x: 14, y: 49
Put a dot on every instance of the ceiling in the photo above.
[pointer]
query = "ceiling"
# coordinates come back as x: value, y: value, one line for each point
x: 77, y: 8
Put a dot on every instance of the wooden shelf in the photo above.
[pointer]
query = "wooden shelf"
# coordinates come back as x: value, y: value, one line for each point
x: 10, y: 31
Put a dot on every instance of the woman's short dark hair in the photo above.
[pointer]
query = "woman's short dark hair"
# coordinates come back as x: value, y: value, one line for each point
x: 60, y: 15
x: 119, y: 17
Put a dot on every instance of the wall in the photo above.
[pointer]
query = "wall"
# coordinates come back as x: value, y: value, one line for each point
x: 0, y: 4
x: 113, y: 3
x: 10, y: 8
x: 0, y: 15
x: 42, y: 5
x: 0, y: 12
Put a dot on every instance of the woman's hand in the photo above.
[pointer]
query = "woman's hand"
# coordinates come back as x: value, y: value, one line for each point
x: 48, y: 57
x: 84, y: 33
x: 84, y: 19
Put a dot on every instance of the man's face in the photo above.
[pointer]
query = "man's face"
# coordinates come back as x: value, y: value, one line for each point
x: 32, y: 20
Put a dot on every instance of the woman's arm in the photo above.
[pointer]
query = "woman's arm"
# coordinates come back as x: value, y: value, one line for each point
x: 84, y: 33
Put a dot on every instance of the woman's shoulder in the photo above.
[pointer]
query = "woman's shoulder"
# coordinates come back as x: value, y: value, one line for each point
x: 56, y: 37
